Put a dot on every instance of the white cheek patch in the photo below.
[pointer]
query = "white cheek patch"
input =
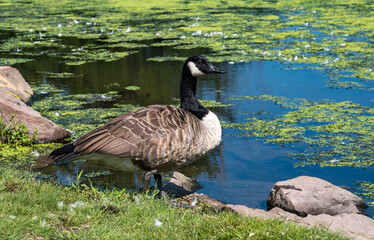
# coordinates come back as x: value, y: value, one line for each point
x: 194, y: 70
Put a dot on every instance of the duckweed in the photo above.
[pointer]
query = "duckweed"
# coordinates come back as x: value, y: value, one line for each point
x: 79, y: 113
x: 333, y: 36
x: 333, y: 133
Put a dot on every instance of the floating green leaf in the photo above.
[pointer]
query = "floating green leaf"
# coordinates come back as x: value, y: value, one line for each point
x: 132, y: 88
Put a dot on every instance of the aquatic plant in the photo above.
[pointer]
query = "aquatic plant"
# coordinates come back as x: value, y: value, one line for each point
x: 333, y: 133
x: 333, y: 36
x: 15, y: 134
x: 79, y: 113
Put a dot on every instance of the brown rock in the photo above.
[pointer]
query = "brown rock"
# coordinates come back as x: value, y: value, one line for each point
x: 205, y: 199
x: 309, y: 195
x: 47, y: 130
x: 180, y: 185
x: 11, y: 81
x: 245, y: 211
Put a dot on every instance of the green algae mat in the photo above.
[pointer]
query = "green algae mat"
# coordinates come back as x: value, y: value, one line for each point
x: 332, y: 35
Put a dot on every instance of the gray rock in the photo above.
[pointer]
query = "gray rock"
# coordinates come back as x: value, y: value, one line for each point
x: 356, y: 226
x: 309, y: 195
x: 47, y: 130
x: 180, y: 185
x: 11, y: 81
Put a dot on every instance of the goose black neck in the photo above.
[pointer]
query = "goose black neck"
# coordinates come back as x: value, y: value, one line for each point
x: 189, y: 101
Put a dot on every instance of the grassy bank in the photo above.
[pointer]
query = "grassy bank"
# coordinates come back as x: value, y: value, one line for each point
x: 31, y: 209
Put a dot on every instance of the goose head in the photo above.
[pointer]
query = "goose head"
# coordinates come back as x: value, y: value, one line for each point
x: 194, y: 67
x: 199, y: 66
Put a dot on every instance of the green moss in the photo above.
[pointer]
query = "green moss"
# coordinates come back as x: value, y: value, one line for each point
x: 333, y: 133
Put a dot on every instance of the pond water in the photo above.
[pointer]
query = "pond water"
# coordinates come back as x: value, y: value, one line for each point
x: 241, y: 170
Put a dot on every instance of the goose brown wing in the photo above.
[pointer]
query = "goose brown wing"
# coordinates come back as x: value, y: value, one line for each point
x: 135, y: 134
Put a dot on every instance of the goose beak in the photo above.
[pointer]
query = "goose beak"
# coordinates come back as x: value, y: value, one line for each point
x: 214, y: 69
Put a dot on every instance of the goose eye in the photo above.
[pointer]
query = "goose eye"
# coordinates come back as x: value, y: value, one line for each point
x: 199, y: 62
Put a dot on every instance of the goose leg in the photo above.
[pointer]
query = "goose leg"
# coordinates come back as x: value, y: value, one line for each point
x: 147, y: 179
x: 158, y: 179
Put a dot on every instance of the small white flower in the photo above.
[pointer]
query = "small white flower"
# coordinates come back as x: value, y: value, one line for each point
x: 326, y: 49
x: 183, y: 37
x: 34, y: 218
x: 36, y: 153
x: 137, y: 200
x: 334, y: 161
x: 77, y: 204
x: 60, y: 34
x: 43, y: 223
x: 343, y: 44
x: 231, y: 62
x: 57, y: 114
x: 76, y: 21
x: 295, y: 58
x: 157, y: 223
x: 251, y: 234
x: 60, y: 204
x: 307, y: 46
x: 198, y: 33
x: 128, y: 30
x: 60, y: 25
x: 326, y: 62
x: 194, y: 202
x: 88, y: 23
x: 12, y: 217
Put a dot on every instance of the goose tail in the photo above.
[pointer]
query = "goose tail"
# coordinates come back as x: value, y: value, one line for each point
x: 62, y: 154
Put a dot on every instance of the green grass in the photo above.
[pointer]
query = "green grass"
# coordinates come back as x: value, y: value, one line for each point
x: 31, y: 209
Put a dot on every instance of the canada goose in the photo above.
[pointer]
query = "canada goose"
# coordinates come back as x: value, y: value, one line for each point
x: 156, y: 138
